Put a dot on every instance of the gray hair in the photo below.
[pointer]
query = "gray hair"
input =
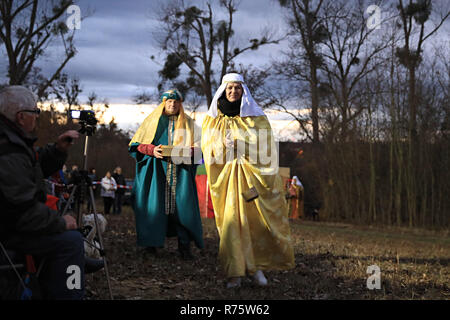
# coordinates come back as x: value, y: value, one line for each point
x: 14, y: 99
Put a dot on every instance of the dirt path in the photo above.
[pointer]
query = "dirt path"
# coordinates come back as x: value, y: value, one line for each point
x: 331, y: 263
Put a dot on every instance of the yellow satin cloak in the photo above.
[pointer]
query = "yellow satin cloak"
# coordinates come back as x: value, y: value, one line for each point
x: 253, y: 235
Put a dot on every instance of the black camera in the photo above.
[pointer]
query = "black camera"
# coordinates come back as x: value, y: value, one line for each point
x: 87, y: 116
x: 87, y: 120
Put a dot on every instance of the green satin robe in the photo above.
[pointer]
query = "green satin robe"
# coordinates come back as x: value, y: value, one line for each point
x: 148, y: 196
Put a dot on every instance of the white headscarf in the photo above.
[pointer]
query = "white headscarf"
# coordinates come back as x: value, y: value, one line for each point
x: 249, y: 107
x: 296, y: 181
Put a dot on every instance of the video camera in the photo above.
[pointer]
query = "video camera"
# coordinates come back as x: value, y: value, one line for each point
x: 87, y: 120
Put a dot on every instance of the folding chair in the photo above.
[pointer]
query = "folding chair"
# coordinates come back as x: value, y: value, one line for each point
x: 13, y: 266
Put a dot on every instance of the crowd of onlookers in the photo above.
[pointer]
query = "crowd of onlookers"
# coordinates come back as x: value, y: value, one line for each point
x: 111, y: 188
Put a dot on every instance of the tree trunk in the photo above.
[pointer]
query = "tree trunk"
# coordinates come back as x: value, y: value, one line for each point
x: 314, y: 104
x: 208, y: 91
x: 412, y: 104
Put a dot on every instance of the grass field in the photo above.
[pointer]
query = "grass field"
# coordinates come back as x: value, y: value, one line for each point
x: 331, y: 263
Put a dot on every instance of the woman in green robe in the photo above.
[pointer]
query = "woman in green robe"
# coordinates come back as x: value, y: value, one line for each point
x: 164, y: 195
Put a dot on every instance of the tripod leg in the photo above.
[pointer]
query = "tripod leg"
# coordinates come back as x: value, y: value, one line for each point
x: 72, y: 194
x: 79, y: 205
x: 100, y: 239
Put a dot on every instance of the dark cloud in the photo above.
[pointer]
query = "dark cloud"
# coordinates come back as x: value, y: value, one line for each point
x: 116, y: 40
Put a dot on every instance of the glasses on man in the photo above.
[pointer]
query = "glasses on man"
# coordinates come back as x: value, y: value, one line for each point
x: 37, y: 111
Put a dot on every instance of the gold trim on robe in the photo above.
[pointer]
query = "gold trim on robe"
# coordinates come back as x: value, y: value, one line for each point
x: 171, y: 174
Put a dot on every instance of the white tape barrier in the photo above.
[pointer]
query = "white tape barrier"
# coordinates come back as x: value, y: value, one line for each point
x: 94, y: 182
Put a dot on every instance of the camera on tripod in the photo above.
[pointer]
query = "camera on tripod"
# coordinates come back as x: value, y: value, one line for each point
x: 82, y: 185
x: 86, y: 119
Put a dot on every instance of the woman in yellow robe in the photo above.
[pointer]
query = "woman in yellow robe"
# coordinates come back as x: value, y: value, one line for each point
x: 241, y: 162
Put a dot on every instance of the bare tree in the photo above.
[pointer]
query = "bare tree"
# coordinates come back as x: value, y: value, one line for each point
x: 352, y: 52
x: 92, y: 98
x: 27, y: 28
x: 192, y: 37
x: 413, y: 18
x: 67, y: 90
x: 412, y: 21
x: 443, y: 78
x: 307, y: 31
x: 332, y: 51
x: 143, y: 97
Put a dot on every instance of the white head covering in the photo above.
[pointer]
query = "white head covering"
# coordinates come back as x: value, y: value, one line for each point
x: 296, y: 181
x: 249, y: 107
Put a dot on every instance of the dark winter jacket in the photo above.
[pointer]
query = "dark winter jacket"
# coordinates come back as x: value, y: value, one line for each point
x: 22, y: 190
x: 119, y: 180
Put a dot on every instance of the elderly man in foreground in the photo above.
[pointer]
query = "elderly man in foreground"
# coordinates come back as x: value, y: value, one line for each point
x: 27, y: 224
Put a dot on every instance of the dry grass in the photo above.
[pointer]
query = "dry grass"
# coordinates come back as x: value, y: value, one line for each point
x: 331, y: 263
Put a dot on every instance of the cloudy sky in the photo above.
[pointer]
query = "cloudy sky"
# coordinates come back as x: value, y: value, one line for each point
x: 116, y: 40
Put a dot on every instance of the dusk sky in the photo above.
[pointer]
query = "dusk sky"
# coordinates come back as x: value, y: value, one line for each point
x: 117, y: 39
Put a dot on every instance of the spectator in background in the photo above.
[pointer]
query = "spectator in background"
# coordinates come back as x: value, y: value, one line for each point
x: 65, y: 176
x: 118, y: 200
x: 69, y: 173
x: 73, y: 172
x: 59, y: 188
x: 66, y: 172
x: 92, y: 174
x: 109, y: 187
x: 93, y: 177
